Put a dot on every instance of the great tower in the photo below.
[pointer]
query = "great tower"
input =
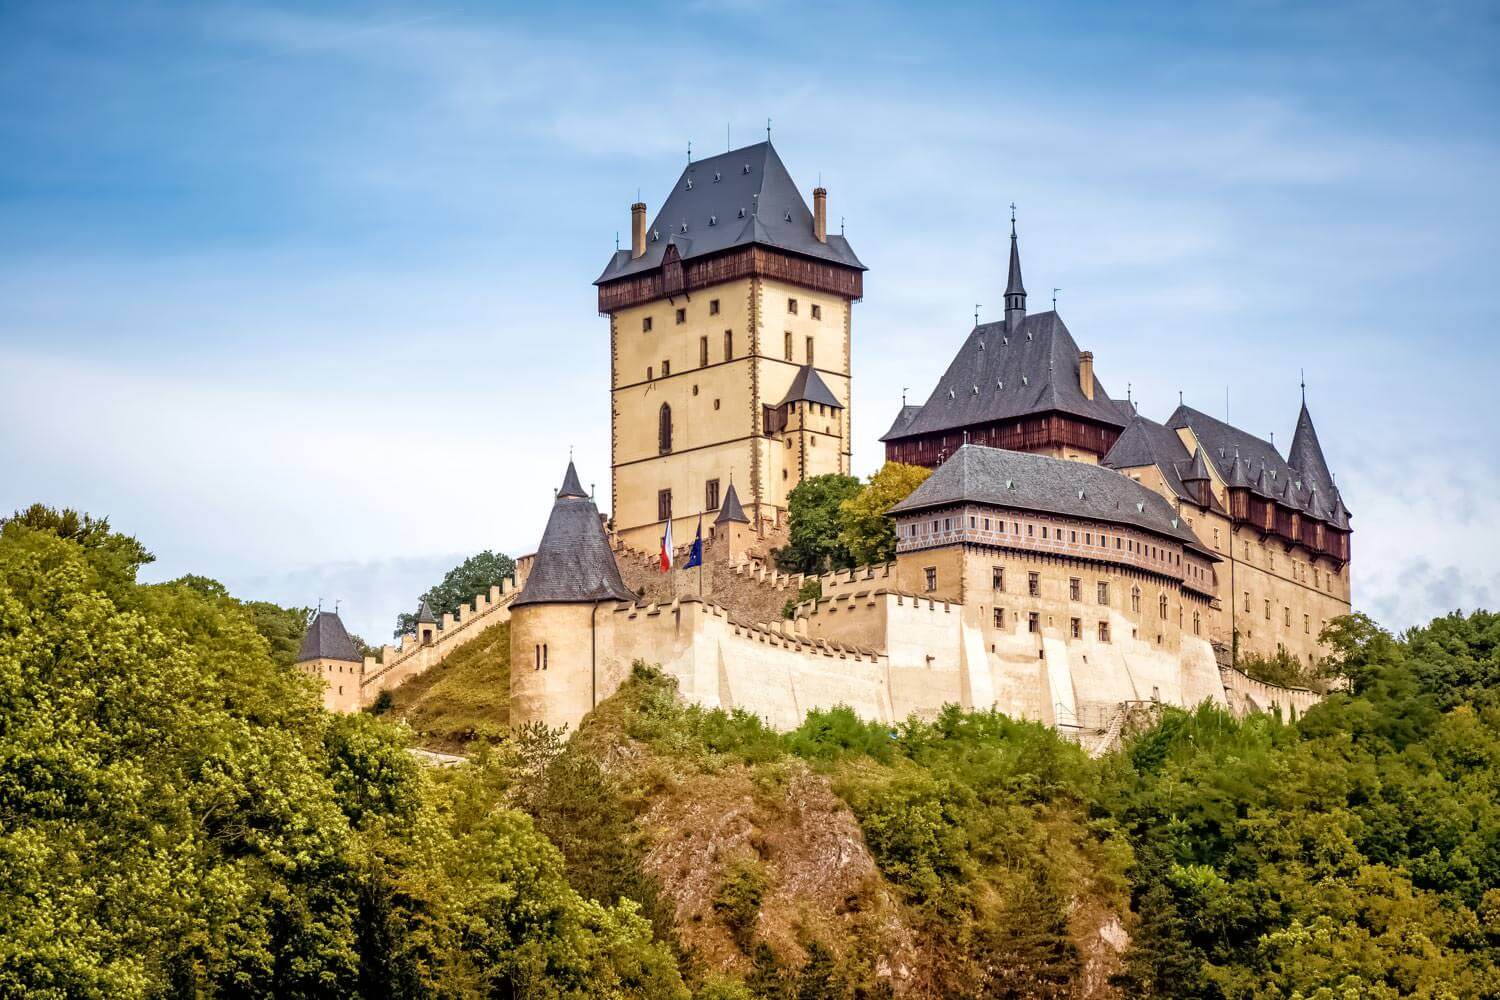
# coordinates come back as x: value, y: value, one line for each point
x: 730, y: 318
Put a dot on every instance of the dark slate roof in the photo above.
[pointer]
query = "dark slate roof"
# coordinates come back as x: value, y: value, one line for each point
x: 761, y: 206
x: 730, y: 509
x: 424, y: 613
x: 809, y: 386
x: 1000, y: 375
x: 1196, y: 469
x: 1306, y: 456
x: 573, y: 563
x: 1025, y: 481
x: 905, y: 417
x: 1013, y: 284
x: 327, y: 639
x: 1263, y: 464
x: 1145, y: 442
x: 571, y: 487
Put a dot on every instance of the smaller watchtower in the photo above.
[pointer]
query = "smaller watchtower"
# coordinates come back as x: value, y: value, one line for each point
x: 328, y: 654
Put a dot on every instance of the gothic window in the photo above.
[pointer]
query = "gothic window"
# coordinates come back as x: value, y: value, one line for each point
x: 1196, y: 623
x: 711, y: 495
x: 1135, y: 600
x: 664, y: 429
x: 1161, y: 605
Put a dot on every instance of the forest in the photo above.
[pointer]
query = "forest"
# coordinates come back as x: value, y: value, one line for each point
x: 179, y: 818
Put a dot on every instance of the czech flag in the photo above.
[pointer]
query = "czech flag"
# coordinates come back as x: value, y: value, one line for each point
x: 695, y: 558
x: 666, y: 548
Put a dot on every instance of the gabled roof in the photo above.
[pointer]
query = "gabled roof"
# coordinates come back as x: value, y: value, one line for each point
x: 734, y: 199
x: 807, y: 385
x: 1000, y: 374
x: 327, y: 639
x: 730, y: 509
x: 1025, y: 481
x: 1147, y: 443
x: 573, y: 563
x: 1222, y: 442
x: 908, y: 413
x: 424, y: 614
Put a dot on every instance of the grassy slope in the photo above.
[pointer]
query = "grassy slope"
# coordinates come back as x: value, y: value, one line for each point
x: 464, y: 698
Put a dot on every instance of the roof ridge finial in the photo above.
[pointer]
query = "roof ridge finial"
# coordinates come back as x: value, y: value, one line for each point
x: 1303, y: 376
x: 1054, y: 298
x: 1012, y: 220
x: 690, y: 151
x: 768, y: 129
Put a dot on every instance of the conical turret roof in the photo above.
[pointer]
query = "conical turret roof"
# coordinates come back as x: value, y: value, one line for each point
x: 573, y: 563
x: 730, y: 509
x: 1013, y: 285
x: 1197, y: 469
x: 327, y: 639
x: 424, y: 613
x: 1306, y: 455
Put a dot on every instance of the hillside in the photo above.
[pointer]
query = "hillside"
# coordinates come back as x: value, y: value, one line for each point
x: 464, y: 698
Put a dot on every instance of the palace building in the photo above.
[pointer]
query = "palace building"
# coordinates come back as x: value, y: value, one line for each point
x: 729, y: 332
x: 1069, y: 560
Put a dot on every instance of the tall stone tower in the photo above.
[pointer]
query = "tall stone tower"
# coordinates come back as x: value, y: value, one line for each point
x: 729, y: 322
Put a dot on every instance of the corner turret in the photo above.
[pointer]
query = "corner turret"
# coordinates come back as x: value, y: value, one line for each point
x: 1015, y: 291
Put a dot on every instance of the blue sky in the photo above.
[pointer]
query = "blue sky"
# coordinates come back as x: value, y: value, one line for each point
x: 300, y: 294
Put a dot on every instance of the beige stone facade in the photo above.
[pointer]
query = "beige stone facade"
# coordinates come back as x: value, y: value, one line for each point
x: 692, y: 377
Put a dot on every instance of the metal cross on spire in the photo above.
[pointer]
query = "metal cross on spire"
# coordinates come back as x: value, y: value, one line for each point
x: 768, y: 130
x: 1303, y: 376
x: 1013, y: 220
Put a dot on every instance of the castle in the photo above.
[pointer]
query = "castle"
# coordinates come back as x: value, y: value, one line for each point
x: 1069, y: 560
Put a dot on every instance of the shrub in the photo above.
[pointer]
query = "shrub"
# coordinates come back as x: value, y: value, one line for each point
x: 738, y: 899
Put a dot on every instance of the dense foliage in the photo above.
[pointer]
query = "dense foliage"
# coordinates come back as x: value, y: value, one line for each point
x: 179, y: 818
x: 864, y: 529
x: 475, y: 575
x: 813, y: 523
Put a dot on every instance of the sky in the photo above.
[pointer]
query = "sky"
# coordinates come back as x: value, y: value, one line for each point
x: 300, y: 294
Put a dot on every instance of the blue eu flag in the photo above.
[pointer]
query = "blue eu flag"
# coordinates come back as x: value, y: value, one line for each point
x: 695, y: 558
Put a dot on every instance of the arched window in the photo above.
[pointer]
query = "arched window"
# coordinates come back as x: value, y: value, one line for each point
x: 664, y: 429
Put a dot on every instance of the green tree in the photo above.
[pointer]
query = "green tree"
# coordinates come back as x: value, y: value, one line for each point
x: 813, y: 518
x: 865, y: 528
x: 475, y: 575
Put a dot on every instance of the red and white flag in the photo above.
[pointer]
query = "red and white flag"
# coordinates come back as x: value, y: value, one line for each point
x: 666, y: 548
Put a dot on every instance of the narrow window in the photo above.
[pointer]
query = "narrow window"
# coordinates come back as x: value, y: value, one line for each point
x: 1288, y: 617
x: 664, y: 429
x: 1196, y: 623
x: 999, y: 617
x: 1268, y: 610
x: 997, y: 577
x: 1103, y: 592
x: 791, y: 306
x: 1135, y: 600
x: 645, y: 324
x: 1306, y: 624
x: 817, y: 311
x: 711, y: 495
x: 728, y: 344
x: 650, y: 373
x: 1161, y: 605
x: 1076, y: 627
x: 713, y: 307
x: 931, y: 572
x: 666, y: 368
x: 1075, y: 589
x: 1104, y: 631
x: 1034, y: 584
x: 787, y: 347
x: 1034, y: 622
x: 702, y: 352
x: 681, y: 316
x: 810, y: 351
x: 663, y: 505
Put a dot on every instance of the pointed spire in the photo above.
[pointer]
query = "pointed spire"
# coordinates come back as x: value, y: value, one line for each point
x: 1239, y: 475
x: 1306, y: 454
x: 730, y: 509
x: 574, y: 562
x: 1197, y: 469
x: 571, y: 487
x: 1015, y: 291
x: 424, y: 613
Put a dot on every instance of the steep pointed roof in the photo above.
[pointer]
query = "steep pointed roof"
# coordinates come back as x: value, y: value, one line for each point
x: 571, y: 487
x: 1197, y: 469
x: 1013, y: 285
x: 1306, y: 455
x: 1001, y: 374
x: 424, y: 613
x: 1147, y: 443
x: 730, y: 509
x: 1339, y: 516
x: 573, y: 563
x: 807, y: 385
x: 1238, y: 473
x: 327, y: 639
x: 741, y: 198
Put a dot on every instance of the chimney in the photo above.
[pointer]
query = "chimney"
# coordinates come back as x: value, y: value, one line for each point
x: 820, y: 214
x: 1086, y: 373
x: 638, y: 230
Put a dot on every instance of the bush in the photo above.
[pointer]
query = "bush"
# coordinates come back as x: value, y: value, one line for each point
x: 738, y: 899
